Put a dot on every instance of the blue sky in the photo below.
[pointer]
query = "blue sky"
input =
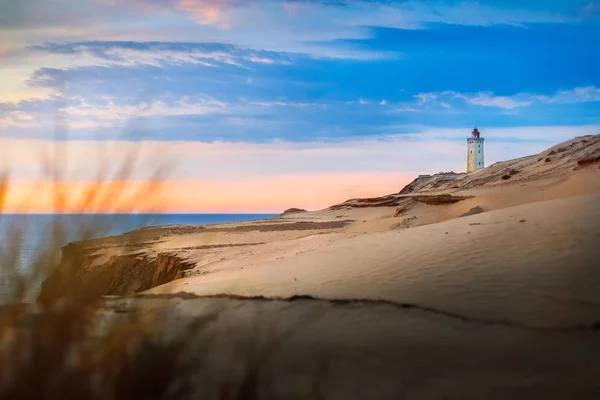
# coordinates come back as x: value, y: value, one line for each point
x: 303, y: 75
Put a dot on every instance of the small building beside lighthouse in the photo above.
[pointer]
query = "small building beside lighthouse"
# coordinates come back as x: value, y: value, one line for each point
x: 475, y: 160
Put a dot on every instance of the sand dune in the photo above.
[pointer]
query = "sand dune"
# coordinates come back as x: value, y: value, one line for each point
x: 392, y: 247
x: 400, y: 296
x: 532, y: 264
x: 307, y: 349
x: 557, y: 161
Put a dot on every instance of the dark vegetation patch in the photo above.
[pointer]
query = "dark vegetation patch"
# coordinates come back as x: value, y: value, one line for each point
x: 473, y: 211
x: 589, y: 160
x: 293, y: 211
x: 291, y: 226
x: 511, y: 172
x: 405, y: 223
x: 440, y: 199
x: 384, y: 201
x: 220, y: 246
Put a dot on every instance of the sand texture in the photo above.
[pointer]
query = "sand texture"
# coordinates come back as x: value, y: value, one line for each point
x: 484, y: 285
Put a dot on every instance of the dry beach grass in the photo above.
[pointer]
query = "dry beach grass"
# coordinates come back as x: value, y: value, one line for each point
x: 355, y: 301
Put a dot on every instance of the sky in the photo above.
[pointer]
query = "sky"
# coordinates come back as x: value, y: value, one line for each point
x: 262, y: 105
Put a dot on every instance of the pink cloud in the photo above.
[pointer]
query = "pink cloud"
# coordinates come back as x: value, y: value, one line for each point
x: 207, y: 12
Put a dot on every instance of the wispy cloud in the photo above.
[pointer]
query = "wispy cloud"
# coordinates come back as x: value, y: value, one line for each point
x: 161, y: 53
x: 78, y: 114
x: 261, y: 24
x: 280, y: 103
x: 18, y: 119
x: 403, y: 109
x: 360, y: 101
x: 112, y: 111
x: 488, y: 99
x: 586, y: 94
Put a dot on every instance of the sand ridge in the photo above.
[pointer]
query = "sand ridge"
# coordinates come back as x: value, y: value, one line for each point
x: 530, y: 248
x: 393, y: 297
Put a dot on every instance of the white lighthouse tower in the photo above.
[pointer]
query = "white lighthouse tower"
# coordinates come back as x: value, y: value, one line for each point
x: 475, y: 152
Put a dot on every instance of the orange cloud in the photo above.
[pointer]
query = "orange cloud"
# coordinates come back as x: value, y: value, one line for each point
x: 206, y: 12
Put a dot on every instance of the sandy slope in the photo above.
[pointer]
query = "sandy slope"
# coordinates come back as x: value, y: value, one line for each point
x: 504, y: 303
x: 529, y: 259
x: 314, y: 349
x: 540, y: 271
x: 557, y: 161
x: 365, y: 248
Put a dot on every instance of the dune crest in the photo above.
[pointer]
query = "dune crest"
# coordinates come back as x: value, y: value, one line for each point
x: 369, y: 248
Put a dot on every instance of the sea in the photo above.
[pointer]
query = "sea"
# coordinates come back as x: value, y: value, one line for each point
x: 24, y: 237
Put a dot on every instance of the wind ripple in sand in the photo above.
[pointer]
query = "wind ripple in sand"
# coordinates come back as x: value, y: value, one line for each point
x: 524, y: 273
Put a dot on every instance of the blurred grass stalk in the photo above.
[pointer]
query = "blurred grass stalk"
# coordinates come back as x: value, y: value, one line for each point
x: 48, y: 349
x: 72, y: 219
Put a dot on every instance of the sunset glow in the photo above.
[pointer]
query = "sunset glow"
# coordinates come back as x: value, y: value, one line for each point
x: 258, y: 106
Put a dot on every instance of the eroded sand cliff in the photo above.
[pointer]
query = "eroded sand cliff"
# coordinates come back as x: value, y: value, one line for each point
x: 558, y: 181
x: 470, y: 287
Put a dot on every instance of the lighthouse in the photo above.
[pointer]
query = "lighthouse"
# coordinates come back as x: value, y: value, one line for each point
x: 475, y: 152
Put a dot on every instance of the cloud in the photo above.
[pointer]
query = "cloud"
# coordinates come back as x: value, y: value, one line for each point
x: 483, y: 99
x: 86, y: 115
x: 586, y: 94
x: 268, y: 104
x: 207, y: 12
x: 322, y: 31
x: 592, y: 9
x: 404, y: 109
x: 78, y: 114
x: 360, y: 101
x: 18, y: 119
x: 488, y: 99
x: 411, y: 152
x: 426, y: 97
x: 270, y: 177
x: 161, y: 53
